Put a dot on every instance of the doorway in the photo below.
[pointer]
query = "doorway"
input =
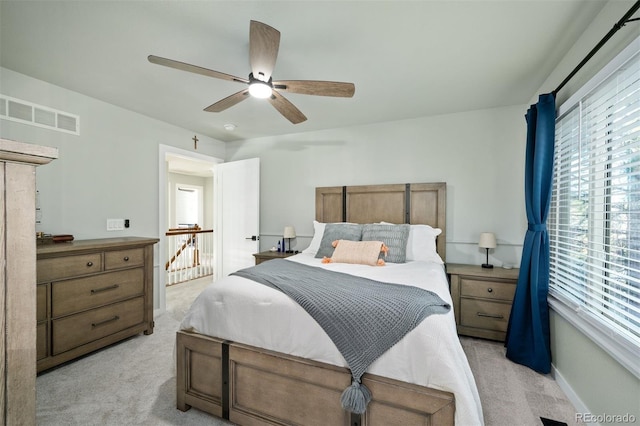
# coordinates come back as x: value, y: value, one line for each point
x: 190, y: 246
x: 189, y: 165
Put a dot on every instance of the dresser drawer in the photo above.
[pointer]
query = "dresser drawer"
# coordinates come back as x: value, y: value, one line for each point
x: 75, y: 330
x: 41, y: 341
x: 55, y: 268
x: 485, y: 314
x: 41, y: 302
x: 487, y: 289
x: 80, y: 294
x: 123, y: 258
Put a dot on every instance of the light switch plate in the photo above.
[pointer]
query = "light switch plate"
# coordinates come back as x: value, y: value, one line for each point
x: 115, y: 224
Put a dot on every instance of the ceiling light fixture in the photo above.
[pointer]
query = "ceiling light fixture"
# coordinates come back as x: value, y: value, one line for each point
x: 230, y: 127
x: 259, y: 88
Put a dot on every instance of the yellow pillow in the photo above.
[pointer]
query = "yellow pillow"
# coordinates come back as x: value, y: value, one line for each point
x: 357, y: 252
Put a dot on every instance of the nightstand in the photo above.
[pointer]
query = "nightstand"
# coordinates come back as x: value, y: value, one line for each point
x: 482, y: 299
x: 263, y: 256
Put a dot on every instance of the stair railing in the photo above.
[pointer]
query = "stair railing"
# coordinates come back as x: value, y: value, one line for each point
x: 190, y: 253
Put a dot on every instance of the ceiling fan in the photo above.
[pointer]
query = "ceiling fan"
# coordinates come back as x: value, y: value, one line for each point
x: 264, y: 42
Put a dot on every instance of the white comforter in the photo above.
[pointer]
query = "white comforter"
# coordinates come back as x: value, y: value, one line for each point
x: 244, y: 311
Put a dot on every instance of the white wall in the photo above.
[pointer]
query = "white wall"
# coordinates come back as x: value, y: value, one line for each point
x: 479, y: 154
x: 597, y: 383
x: 109, y: 171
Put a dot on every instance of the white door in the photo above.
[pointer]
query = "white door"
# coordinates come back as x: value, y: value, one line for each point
x: 237, y: 215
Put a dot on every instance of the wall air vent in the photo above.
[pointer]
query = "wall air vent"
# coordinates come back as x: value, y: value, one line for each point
x: 37, y: 115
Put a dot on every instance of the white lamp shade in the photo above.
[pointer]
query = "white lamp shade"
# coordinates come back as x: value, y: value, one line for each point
x: 289, y: 232
x: 487, y: 240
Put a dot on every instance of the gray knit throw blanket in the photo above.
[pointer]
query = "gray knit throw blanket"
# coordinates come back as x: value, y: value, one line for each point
x: 364, y: 318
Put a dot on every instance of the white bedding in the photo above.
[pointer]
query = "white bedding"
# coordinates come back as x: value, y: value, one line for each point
x: 244, y: 311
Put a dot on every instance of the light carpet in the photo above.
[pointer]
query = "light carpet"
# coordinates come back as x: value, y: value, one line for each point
x: 129, y: 383
x: 133, y: 382
x: 512, y: 394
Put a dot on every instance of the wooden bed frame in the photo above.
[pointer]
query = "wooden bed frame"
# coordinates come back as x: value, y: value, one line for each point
x: 254, y: 386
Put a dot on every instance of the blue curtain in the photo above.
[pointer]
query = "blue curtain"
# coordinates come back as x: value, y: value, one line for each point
x: 527, y: 338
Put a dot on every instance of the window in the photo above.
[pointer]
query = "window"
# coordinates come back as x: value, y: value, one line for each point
x: 189, y: 210
x: 594, y: 219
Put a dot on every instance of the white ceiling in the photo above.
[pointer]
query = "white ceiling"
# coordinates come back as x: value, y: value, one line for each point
x: 407, y: 58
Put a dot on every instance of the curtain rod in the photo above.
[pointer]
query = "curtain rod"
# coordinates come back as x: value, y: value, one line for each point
x: 618, y: 25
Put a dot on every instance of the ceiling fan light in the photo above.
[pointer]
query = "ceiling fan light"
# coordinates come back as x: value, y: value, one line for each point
x: 258, y: 89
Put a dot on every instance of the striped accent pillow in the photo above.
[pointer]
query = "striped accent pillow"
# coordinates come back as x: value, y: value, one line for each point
x: 395, y: 237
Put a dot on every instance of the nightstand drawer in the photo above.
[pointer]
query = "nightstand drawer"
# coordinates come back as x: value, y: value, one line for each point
x: 470, y: 287
x: 484, y: 314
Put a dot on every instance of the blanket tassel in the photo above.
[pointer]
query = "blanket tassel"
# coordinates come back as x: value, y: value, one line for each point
x: 355, y: 398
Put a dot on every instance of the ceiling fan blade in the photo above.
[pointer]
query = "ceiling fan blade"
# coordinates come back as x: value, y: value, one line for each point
x: 228, y: 102
x: 194, y: 68
x: 264, y: 42
x: 318, y: 88
x: 286, y: 108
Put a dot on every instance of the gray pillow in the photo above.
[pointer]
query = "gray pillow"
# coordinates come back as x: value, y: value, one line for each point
x: 337, y: 231
x: 394, y: 236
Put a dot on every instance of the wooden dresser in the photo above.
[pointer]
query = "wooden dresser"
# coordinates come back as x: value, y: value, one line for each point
x: 92, y: 293
x: 17, y: 279
x: 482, y: 299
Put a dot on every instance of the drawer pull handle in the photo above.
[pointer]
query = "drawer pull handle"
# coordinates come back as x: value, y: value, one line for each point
x: 490, y: 290
x: 126, y: 258
x: 482, y: 314
x: 89, y: 264
x: 98, y: 324
x: 100, y: 290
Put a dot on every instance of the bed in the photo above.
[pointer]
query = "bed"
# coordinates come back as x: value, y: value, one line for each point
x: 249, y: 354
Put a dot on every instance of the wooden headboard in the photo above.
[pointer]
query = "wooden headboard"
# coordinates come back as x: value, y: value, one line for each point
x: 415, y: 203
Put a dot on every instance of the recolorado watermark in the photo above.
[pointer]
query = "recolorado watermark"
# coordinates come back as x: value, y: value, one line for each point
x: 605, y: 418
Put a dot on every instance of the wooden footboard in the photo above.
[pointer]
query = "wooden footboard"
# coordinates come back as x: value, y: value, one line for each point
x: 199, y: 373
x: 252, y: 386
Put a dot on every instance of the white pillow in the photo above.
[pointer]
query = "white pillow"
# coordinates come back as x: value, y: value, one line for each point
x: 318, y: 232
x: 421, y: 244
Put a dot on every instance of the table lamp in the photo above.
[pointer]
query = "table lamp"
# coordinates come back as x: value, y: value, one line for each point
x: 487, y: 241
x: 289, y: 233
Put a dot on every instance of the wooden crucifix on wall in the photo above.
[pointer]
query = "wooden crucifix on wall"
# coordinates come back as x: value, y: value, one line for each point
x: 195, y: 142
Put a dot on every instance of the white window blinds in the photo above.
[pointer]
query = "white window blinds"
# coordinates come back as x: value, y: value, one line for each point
x: 594, y: 219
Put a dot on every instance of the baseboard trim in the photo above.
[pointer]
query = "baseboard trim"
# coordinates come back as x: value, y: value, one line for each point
x: 580, y: 406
